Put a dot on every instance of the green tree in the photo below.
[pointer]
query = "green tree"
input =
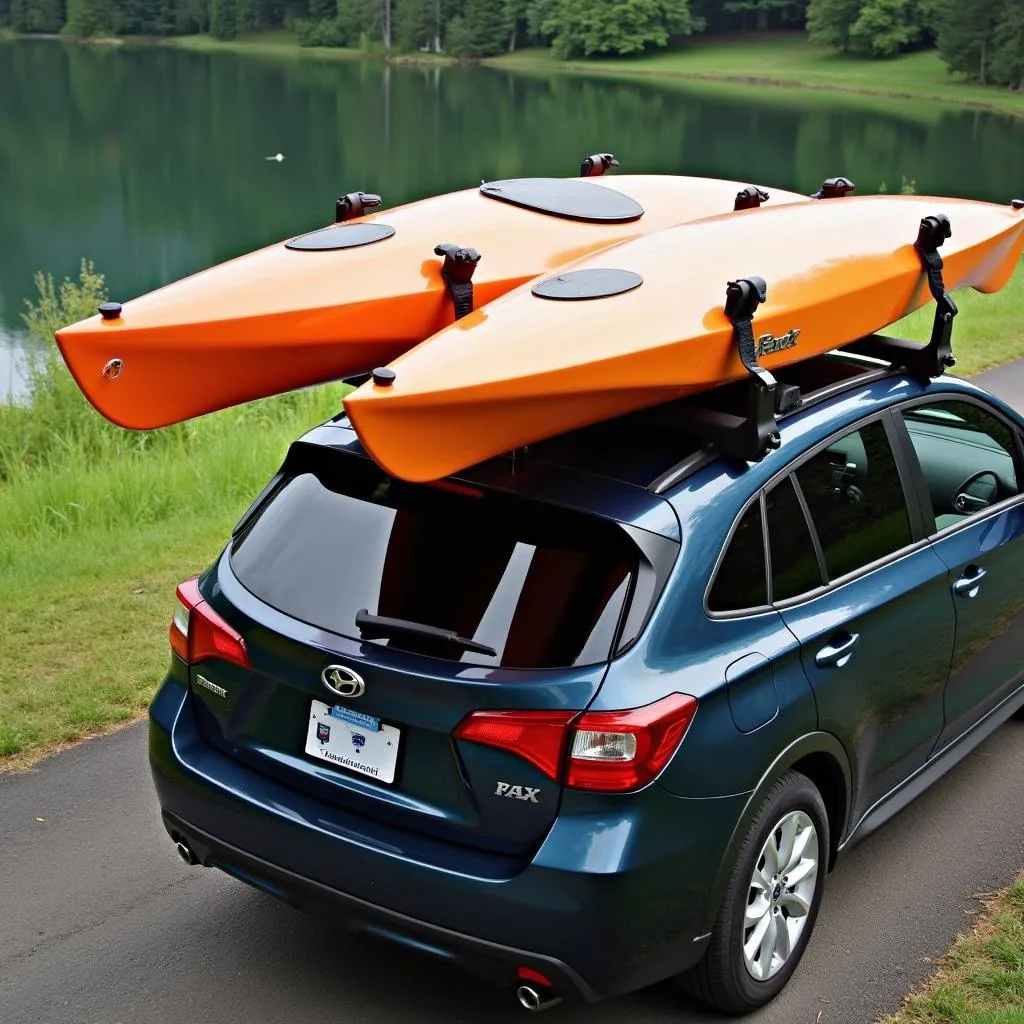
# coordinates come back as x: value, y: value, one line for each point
x: 829, y: 22
x: 582, y: 28
x: 1008, y: 59
x: 968, y: 35
x: 887, y: 27
x: 223, y: 19
x: 38, y: 15
x: 88, y: 18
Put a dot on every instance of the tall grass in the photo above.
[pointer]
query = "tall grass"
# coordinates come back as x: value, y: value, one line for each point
x: 65, y: 469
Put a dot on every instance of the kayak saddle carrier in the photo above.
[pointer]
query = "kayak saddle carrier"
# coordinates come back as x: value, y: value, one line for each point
x: 751, y: 434
x: 935, y: 357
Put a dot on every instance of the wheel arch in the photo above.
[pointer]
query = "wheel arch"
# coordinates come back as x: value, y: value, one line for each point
x: 819, y: 756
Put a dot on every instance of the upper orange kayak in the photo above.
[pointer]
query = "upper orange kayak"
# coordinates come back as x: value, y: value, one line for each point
x: 527, y: 367
x: 355, y: 295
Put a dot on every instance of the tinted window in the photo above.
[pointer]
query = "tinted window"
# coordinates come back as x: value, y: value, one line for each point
x: 794, y: 563
x: 542, y: 586
x: 967, y: 457
x: 856, y: 501
x: 741, y: 581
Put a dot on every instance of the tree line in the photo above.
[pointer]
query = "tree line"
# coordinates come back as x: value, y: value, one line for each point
x: 983, y: 39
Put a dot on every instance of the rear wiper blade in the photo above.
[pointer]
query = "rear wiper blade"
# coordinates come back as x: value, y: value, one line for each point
x: 380, y: 627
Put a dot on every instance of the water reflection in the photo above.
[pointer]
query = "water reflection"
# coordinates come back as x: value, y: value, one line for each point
x: 151, y: 161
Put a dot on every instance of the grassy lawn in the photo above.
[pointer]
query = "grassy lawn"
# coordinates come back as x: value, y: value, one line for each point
x: 981, y: 979
x: 787, y: 61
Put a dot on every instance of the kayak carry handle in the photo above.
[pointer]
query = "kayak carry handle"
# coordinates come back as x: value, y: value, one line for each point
x: 596, y: 164
x: 354, y: 205
x: 1017, y: 204
x: 834, y: 188
x: 934, y: 358
x: 750, y: 198
x: 457, y: 271
x: 750, y: 436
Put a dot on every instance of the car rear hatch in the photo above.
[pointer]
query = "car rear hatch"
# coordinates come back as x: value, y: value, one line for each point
x: 525, y: 599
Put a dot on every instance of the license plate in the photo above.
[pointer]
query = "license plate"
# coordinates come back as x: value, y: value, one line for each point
x: 370, y: 749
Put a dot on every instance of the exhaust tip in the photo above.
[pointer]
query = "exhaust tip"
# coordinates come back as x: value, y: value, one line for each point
x: 185, y: 853
x: 533, y: 1000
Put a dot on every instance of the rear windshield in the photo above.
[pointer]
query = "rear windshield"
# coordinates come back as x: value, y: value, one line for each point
x: 543, y: 587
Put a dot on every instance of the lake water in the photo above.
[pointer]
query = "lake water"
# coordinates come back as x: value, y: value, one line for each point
x: 151, y: 161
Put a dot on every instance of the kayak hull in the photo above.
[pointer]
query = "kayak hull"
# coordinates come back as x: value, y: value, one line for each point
x: 527, y: 368
x: 283, y: 318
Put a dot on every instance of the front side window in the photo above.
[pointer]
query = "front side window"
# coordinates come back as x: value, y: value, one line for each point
x: 967, y: 456
x: 855, y: 498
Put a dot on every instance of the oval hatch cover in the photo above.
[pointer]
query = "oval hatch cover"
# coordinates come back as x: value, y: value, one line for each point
x: 564, y: 197
x: 341, y: 236
x: 587, y: 284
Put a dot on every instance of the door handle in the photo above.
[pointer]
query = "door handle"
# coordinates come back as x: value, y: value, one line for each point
x: 839, y: 652
x: 969, y: 585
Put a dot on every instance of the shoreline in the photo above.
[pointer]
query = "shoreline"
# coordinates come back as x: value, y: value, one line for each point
x: 821, y: 73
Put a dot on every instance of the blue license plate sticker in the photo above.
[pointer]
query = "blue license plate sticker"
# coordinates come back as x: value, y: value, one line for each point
x: 355, y: 718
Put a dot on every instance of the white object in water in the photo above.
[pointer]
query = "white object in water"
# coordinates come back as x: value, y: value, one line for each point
x: 277, y: 156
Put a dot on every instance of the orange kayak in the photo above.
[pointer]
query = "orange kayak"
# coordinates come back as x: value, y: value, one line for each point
x: 357, y: 294
x: 526, y: 367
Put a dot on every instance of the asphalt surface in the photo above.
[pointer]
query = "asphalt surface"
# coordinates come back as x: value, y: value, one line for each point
x: 101, y: 923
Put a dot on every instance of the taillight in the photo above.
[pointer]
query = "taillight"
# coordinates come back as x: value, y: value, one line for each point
x: 198, y: 632
x: 536, y: 736
x: 608, y: 751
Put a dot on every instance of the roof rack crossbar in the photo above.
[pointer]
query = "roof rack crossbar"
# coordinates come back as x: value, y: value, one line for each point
x: 935, y: 357
x: 750, y: 436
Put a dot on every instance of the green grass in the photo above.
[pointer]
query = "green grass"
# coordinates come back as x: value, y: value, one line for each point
x: 981, y: 979
x: 272, y: 43
x: 787, y: 61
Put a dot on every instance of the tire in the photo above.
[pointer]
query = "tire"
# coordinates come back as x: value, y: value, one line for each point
x: 734, y: 978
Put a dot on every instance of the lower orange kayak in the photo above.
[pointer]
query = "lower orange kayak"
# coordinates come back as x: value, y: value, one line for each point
x: 529, y: 367
x: 357, y: 294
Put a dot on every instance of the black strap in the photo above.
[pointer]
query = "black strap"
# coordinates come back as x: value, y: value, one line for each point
x: 457, y: 271
x: 933, y: 232
x: 742, y: 298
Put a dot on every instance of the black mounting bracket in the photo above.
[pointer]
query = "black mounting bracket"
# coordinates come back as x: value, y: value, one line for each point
x: 934, y: 358
x: 355, y: 204
x: 750, y: 198
x: 457, y: 271
x: 748, y: 437
x: 834, y: 188
x: 596, y: 164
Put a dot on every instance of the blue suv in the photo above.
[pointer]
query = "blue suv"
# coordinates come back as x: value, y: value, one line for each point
x: 606, y: 711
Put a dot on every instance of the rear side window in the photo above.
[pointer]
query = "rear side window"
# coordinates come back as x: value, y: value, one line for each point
x: 855, y: 497
x: 741, y: 580
x: 795, y: 568
x: 543, y: 586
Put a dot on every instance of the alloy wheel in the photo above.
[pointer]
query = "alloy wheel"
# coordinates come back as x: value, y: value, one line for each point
x: 780, y: 895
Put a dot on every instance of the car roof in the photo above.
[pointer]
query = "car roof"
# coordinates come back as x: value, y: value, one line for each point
x: 638, y: 468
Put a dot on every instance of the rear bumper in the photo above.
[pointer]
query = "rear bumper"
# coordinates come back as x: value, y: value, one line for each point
x: 613, y: 900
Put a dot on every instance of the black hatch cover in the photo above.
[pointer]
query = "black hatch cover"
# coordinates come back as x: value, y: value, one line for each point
x: 587, y: 284
x: 341, y: 236
x: 564, y: 197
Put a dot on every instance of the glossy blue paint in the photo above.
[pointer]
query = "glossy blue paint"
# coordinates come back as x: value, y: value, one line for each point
x: 601, y: 892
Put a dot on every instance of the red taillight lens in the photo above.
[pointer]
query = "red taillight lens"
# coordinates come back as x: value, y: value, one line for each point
x: 198, y: 632
x: 615, y: 751
x: 608, y: 751
x: 536, y: 736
